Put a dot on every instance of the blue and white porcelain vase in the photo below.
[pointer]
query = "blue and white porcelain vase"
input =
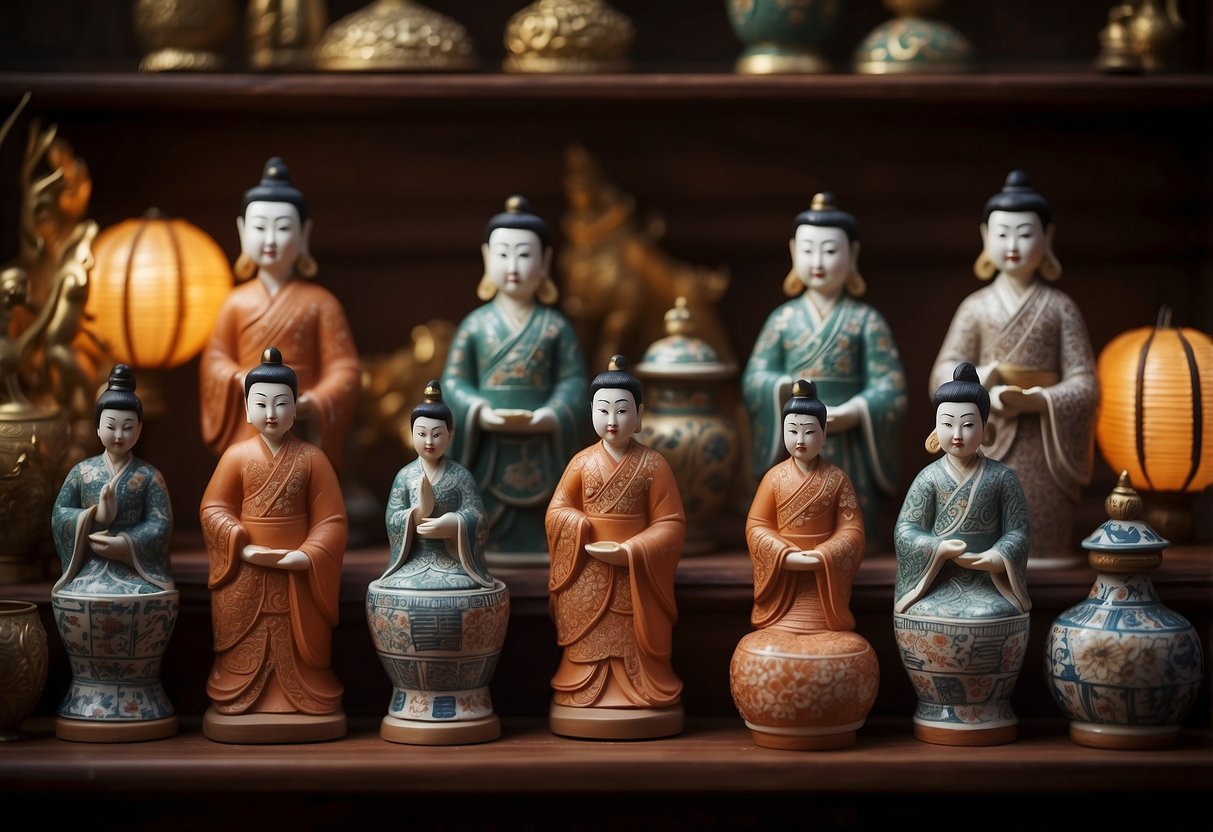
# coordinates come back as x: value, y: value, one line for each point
x: 1122, y: 667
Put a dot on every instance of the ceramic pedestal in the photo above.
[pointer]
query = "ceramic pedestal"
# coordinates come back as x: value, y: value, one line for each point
x: 616, y: 723
x: 963, y: 672
x: 804, y: 691
x: 439, y: 648
x: 115, y: 644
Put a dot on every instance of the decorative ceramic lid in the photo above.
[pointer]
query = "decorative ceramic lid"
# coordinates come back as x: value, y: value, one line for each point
x: 1123, y: 536
x: 680, y: 354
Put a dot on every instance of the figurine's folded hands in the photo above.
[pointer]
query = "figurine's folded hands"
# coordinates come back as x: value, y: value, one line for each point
x: 112, y: 546
x: 1010, y: 401
x: 275, y: 558
x: 843, y: 416
x: 544, y: 420
x: 810, y: 560
x: 951, y: 548
x: 987, y: 561
x: 445, y: 526
x: 608, y: 551
x: 490, y: 420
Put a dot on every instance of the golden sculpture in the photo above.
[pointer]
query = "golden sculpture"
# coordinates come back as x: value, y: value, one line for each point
x: 184, y: 35
x: 618, y: 283
x: 568, y: 36
x: 282, y: 34
x: 1141, y: 36
x: 46, y: 385
x: 396, y: 35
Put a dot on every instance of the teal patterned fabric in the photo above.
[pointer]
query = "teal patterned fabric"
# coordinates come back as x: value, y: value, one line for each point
x: 145, y: 518
x: 852, y: 353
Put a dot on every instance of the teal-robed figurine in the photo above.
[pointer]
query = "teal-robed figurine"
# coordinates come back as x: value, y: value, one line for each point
x: 828, y: 334
x: 515, y: 378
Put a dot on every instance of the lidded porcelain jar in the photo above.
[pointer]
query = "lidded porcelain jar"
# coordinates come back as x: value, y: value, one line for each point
x: 685, y: 422
x: 1123, y: 667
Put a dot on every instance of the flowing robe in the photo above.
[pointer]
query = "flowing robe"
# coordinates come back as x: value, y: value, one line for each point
x: 986, y: 509
x: 1039, y: 339
x: 418, y: 562
x: 144, y: 520
x: 307, y: 323
x: 273, y: 627
x: 615, y: 623
x: 492, y: 365
x: 794, y: 512
x: 848, y: 353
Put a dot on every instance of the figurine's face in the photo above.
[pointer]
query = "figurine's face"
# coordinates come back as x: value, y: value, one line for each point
x: 271, y: 409
x: 1015, y: 241
x: 119, y: 430
x: 803, y: 436
x: 516, y: 262
x: 616, y: 416
x: 959, y: 428
x: 272, y: 235
x: 430, y: 438
x: 822, y: 258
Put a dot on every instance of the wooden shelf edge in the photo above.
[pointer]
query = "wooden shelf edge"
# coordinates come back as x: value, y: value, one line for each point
x: 713, y: 755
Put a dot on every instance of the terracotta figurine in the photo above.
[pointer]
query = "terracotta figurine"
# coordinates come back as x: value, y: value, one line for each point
x: 1029, y: 343
x: 115, y: 603
x: 515, y: 378
x: 804, y: 680
x: 828, y: 334
x: 280, y: 306
x: 275, y: 530
x: 616, y: 528
x: 437, y: 616
x: 961, y: 597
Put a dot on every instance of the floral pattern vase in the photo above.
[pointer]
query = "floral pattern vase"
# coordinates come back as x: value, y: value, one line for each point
x: 804, y: 691
x: 1122, y: 667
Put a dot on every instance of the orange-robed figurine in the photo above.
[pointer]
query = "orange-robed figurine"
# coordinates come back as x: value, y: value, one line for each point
x: 282, y: 306
x: 275, y: 529
x: 615, y: 529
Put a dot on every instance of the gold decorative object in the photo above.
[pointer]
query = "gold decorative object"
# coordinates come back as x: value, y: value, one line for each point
x: 913, y: 43
x: 685, y: 422
x: 1156, y: 418
x: 157, y: 288
x: 23, y: 664
x: 283, y: 34
x: 396, y: 36
x: 184, y: 35
x: 617, y: 281
x: 1141, y: 36
x: 47, y: 378
x: 568, y: 36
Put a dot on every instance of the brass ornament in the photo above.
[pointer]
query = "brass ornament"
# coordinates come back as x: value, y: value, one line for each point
x: 932, y: 444
x: 1117, y: 52
x: 283, y: 34
x: 396, y: 36
x: 984, y: 266
x: 184, y: 35
x: 568, y: 36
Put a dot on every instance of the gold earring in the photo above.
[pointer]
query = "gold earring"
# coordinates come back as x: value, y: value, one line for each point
x: 306, y: 265
x: 486, y: 289
x: 792, y: 284
x: 932, y: 443
x: 245, y: 267
x: 856, y: 285
x: 984, y: 268
x: 548, y: 293
x: 1050, y: 268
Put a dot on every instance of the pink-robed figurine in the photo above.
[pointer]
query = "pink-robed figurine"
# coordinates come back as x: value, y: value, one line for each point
x: 282, y: 306
x: 1030, y: 346
x: 274, y: 525
x: 615, y: 528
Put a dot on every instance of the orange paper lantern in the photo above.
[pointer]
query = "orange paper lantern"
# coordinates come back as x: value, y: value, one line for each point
x: 157, y: 287
x: 1156, y: 407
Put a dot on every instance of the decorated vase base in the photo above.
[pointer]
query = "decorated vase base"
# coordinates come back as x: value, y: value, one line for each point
x: 262, y: 729
x: 417, y: 732
x: 616, y: 723
x: 802, y: 742
x: 1123, y: 737
x: 965, y: 737
x: 109, y: 730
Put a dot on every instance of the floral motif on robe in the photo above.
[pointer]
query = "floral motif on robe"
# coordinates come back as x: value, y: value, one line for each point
x: 847, y: 353
x: 615, y: 623
x: 273, y: 627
